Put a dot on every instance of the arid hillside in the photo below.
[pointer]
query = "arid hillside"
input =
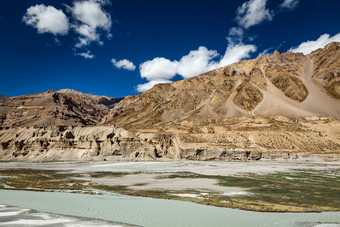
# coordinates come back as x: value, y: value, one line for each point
x: 288, y: 84
x: 65, y: 107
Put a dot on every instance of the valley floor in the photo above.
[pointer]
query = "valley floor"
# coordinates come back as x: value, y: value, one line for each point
x: 258, y: 186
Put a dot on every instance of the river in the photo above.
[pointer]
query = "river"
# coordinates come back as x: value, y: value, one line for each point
x: 156, y: 212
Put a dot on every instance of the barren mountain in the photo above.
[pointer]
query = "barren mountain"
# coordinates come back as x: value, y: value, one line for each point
x: 64, y: 107
x: 283, y: 106
x: 288, y: 84
x: 3, y: 98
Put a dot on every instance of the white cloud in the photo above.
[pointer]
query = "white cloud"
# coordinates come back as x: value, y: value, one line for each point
x: 87, y: 55
x: 236, y: 31
x: 90, y: 18
x: 289, y: 4
x: 123, y: 64
x: 309, y: 46
x: 149, y: 85
x: 252, y: 12
x: 161, y: 70
x: 236, y: 34
x: 47, y: 19
x: 196, y: 62
x: 158, y: 69
x: 235, y: 53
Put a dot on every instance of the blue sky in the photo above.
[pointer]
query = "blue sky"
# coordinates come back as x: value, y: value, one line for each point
x: 118, y: 48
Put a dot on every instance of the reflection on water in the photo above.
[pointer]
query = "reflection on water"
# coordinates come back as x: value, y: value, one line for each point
x: 152, y: 212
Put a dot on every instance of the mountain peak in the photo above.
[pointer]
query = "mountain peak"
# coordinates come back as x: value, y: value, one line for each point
x: 276, y: 53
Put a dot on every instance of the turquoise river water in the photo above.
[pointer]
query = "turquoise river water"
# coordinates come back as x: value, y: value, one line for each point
x: 156, y: 212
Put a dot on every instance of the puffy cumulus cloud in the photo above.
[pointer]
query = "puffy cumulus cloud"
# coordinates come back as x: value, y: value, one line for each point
x: 196, y: 62
x: 252, y: 12
x: 309, y: 46
x: 161, y: 70
x: 123, y: 64
x: 150, y: 84
x: 235, y: 53
x: 289, y: 4
x: 47, y: 19
x: 158, y: 69
x: 90, y: 18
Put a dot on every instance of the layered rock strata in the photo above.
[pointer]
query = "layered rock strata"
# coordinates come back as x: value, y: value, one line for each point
x: 235, y: 139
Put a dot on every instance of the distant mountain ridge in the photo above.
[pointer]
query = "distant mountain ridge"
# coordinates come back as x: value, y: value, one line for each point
x: 64, y: 107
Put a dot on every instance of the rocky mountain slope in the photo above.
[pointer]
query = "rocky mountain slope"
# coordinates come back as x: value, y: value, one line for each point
x: 288, y: 84
x: 64, y: 107
x: 283, y: 106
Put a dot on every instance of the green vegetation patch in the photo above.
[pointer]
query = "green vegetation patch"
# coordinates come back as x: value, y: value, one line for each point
x: 111, y: 188
x: 140, y: 184
x: 310, y: 189
x: 40, y: 179
x: 126, y: 191
x: 108, y: 174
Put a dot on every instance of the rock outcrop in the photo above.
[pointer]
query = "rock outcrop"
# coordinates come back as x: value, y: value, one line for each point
x: 72, y: 143
x: 233, y: 139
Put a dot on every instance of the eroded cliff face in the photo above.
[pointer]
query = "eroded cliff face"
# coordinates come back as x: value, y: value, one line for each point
x: 249, y: 138
x: 234, y: 139
x: 71, y: 143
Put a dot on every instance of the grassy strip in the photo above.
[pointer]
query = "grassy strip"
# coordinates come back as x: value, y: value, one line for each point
x: 108, y: 174
x: 310, y: 189
x: 41, y: 179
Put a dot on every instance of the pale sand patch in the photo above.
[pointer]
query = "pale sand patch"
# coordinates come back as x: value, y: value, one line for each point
x: 150, y: 182
x: 235, y: 193
x: 188, y: 195
x: 221, y: 168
